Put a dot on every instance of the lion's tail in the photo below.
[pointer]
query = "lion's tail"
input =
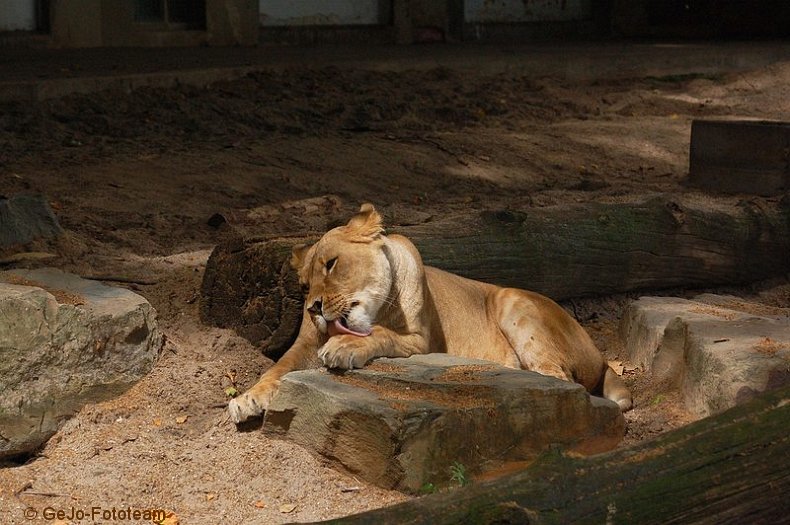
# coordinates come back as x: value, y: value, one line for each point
x: 615, y: 390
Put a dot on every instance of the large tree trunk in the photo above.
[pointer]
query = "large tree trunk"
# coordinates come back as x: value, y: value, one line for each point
x: 561, y: 252
x: 596, y: 248
x: 731, y: 468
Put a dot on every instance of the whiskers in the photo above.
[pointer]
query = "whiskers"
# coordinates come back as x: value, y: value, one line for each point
x: 350, y: 298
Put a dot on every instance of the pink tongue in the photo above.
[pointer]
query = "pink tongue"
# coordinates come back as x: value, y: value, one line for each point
x: 336, y: 328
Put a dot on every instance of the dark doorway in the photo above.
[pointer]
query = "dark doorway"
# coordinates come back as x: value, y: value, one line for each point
x: 173, y: 14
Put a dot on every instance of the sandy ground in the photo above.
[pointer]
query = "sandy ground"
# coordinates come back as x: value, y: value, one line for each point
x: 135, y: 177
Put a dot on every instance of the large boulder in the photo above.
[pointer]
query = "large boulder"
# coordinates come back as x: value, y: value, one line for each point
x: 65, y: 342
x: 403, y: 423
x: 719, y: 351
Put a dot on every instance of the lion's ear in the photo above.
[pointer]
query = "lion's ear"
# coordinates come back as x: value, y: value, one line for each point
x: 366, y: 225
x: 300, y: 255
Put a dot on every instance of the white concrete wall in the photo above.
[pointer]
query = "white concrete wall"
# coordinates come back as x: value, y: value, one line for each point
x: 526, y: 10
x: 17, y: 15
x: 322, y: 12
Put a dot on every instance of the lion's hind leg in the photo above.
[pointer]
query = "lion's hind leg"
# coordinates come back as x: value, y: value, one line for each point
x: 547, y: 340
x: 520, y: 320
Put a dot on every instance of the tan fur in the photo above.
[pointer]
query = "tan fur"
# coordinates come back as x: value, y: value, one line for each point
x: 379, y: 283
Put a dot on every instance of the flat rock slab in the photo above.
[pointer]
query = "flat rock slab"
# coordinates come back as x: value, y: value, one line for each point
x: 402, y: 423
x: 65, y: 342
x: 719, y: 351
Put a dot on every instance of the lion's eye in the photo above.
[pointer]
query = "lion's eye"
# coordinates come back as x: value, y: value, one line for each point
x: 331, y: 264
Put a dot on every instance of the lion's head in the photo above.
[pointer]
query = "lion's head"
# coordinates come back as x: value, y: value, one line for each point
x: 346, y: 274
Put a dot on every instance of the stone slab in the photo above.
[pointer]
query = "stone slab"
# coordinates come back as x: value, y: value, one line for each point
x: 718, y: 351
x: 65, y: 342
x: 402, y: 423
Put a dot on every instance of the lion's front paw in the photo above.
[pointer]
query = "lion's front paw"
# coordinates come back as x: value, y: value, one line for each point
x: 250, y: 404
x: 344, y: 351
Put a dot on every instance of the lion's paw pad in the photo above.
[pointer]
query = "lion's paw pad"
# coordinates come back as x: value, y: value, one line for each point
x: 245, y: 407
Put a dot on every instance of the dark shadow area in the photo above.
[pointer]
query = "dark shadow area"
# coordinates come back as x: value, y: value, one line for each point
x: 251, y: 425
x: 702, y: 19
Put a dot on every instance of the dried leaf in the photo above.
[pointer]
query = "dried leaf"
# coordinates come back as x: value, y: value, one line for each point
x: 617, y: 366
x: 170, y: 519
x: 287, y: 508
x: 260, y: 504
x: 181, y: 419
x: 211, y: 496
x: 158, y: 422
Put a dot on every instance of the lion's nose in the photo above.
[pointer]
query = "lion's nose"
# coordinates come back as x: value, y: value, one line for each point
x: 315, y: 309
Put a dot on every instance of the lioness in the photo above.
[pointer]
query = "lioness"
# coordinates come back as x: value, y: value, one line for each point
x: 369, y: 295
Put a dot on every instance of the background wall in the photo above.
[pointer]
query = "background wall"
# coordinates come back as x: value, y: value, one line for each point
x: 324, y: 12
x: 94, y: 23
x: 89, y: 23
x: 700, y: 18
x: 510, y: 11
x: 17, y: 15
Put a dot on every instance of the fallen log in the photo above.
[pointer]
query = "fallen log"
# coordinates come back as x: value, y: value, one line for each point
x: 252, y: 288
x: 561, y: 251
x: 731, y: 468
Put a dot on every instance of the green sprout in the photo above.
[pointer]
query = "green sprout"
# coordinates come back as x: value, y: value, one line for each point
x: 458, y: 474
